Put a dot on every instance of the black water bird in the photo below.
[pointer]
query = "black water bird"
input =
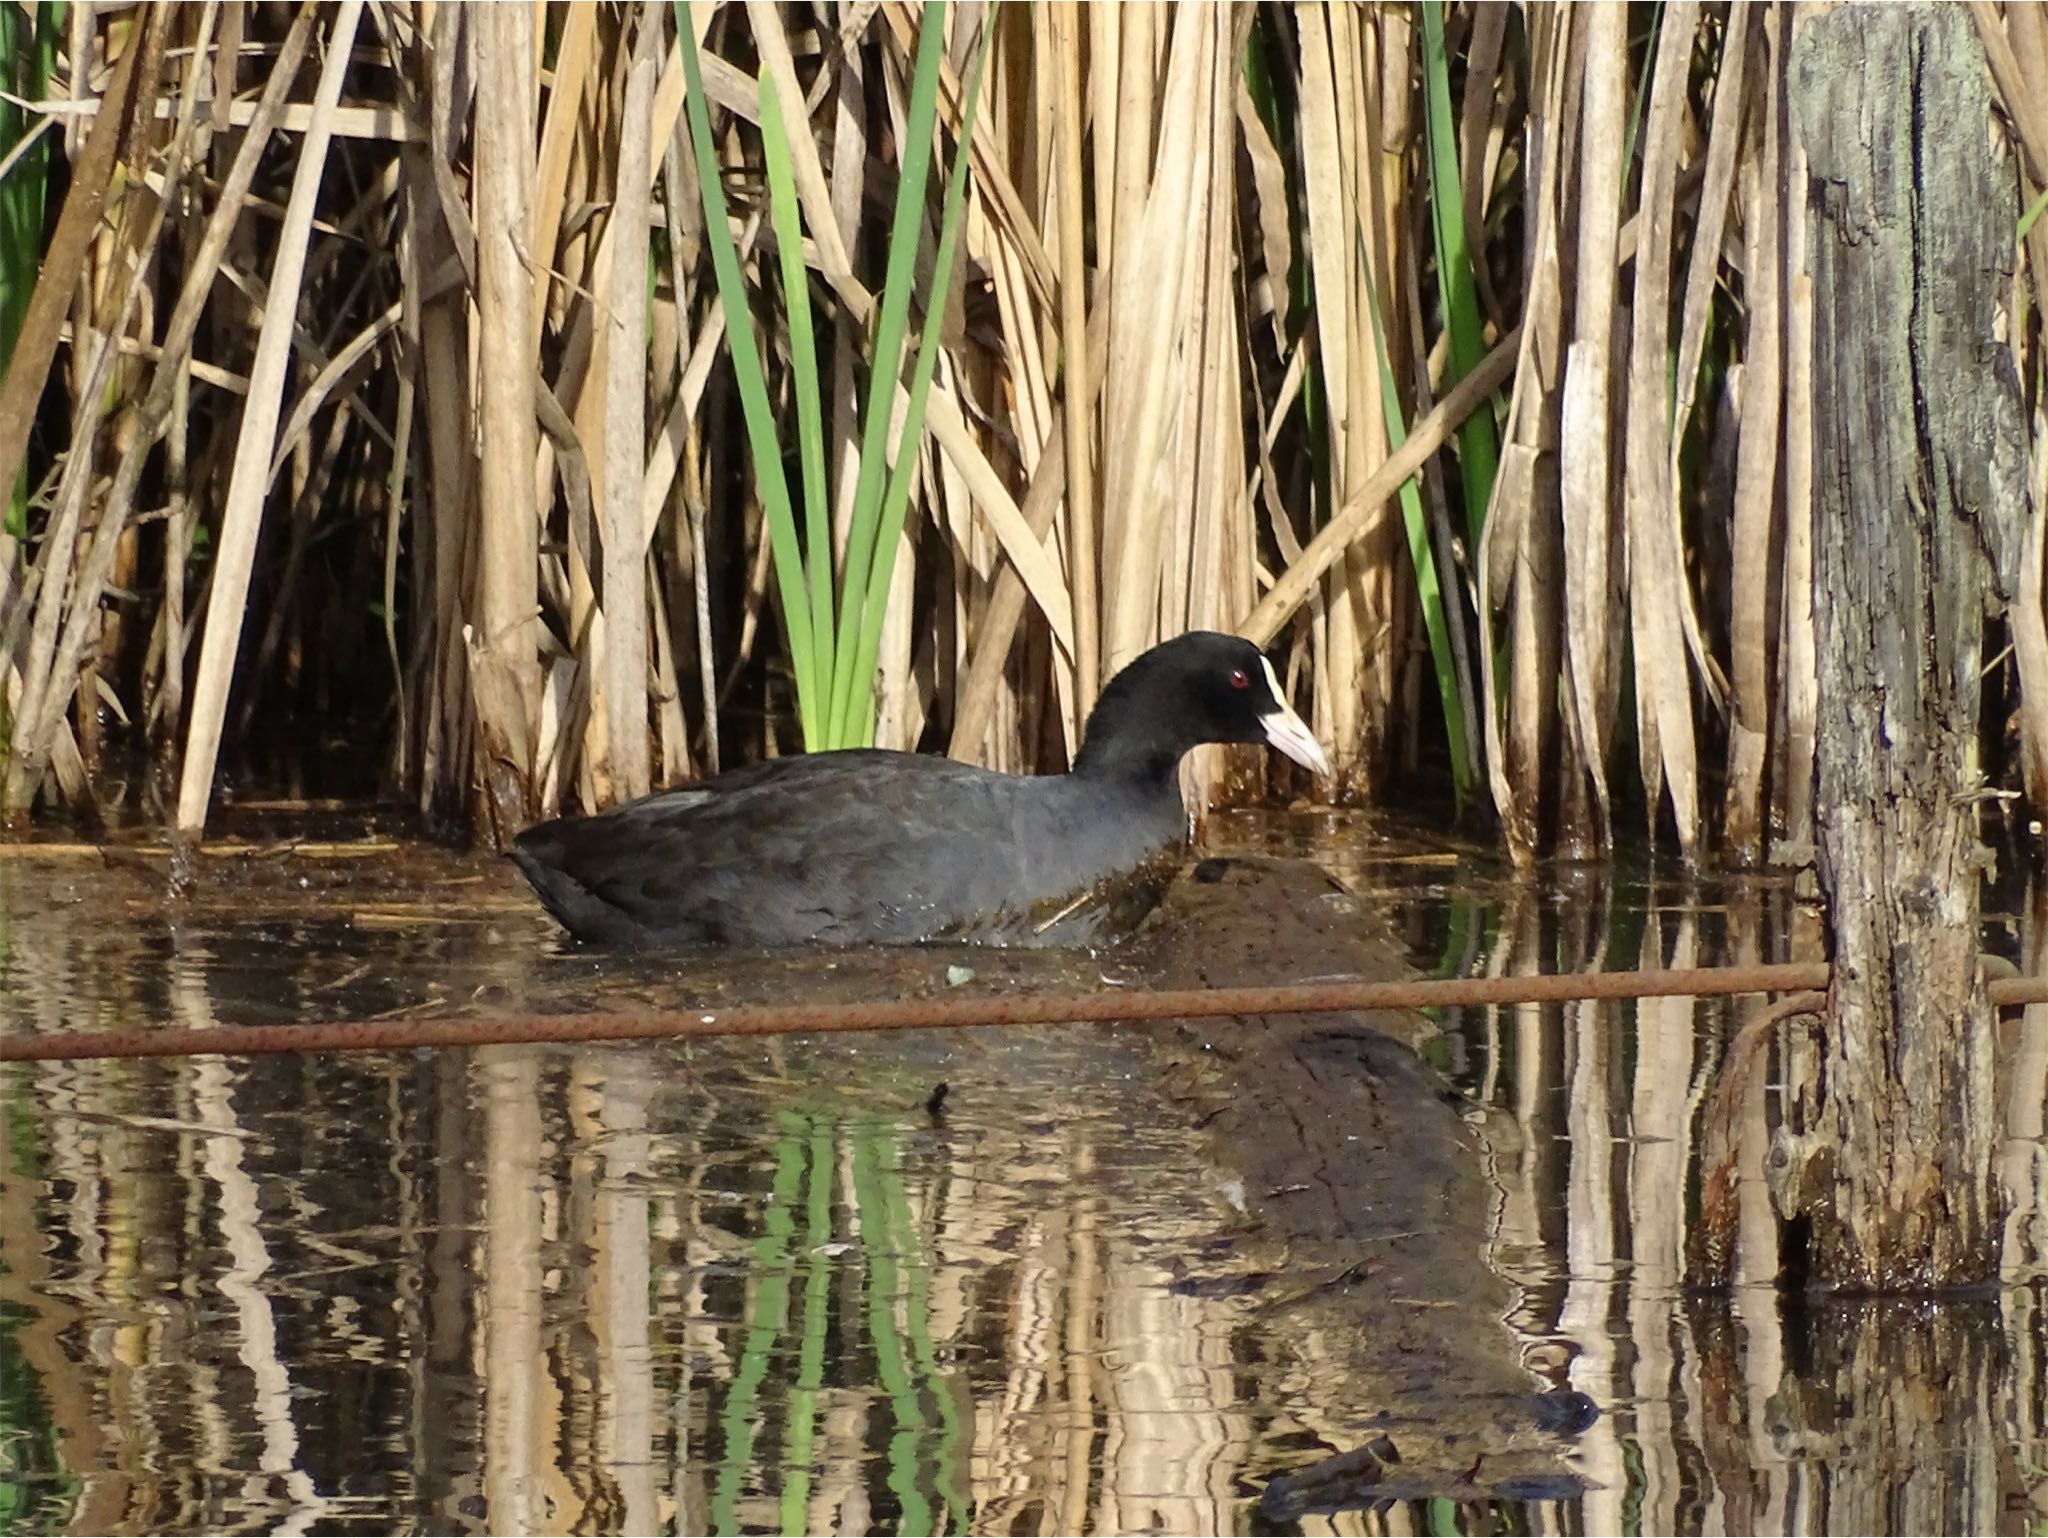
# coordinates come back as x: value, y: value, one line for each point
x: 871, y: 846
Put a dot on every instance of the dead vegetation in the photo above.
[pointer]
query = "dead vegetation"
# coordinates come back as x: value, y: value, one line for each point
x: 368, y: 390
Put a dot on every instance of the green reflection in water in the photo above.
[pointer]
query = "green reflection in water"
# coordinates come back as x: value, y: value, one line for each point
x: 874, y: 1169
x: 918, y: 1325
x: 1638, y: 1482
x: 1463, y: 917
x: 924, y: 1463
x: 803, y: 1403
x: 764, y: 1325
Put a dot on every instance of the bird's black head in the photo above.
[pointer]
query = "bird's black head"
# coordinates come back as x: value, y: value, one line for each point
x: 1196, y: 688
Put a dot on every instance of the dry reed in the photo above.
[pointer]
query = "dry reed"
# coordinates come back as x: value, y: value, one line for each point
x: 1462, y: 352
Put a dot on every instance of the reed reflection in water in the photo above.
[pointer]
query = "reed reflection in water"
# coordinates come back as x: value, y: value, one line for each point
x: 764, y: 1289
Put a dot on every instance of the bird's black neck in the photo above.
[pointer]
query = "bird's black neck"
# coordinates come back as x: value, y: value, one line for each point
x: 1130, y: 738
x: 1128, y: 757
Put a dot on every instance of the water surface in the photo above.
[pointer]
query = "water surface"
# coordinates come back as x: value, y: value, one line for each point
x: 768, y: 1286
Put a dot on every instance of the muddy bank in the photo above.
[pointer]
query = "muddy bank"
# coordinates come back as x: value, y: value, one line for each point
x: 1365, y: 1200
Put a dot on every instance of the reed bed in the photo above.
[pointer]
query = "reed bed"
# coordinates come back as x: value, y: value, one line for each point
x: 528, y: 404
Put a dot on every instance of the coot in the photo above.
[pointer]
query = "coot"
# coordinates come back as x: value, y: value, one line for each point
x: 871, y: 846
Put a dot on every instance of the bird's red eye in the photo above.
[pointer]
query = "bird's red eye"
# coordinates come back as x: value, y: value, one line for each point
x: 1240, y: 679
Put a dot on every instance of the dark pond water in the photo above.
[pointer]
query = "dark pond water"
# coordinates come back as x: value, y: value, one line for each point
x: 761, y: 1287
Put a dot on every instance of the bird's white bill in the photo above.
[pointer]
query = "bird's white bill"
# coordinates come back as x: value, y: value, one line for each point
x: 1290, y: 734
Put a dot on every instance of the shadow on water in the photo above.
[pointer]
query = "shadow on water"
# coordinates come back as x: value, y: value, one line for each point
x: 788, y: 1286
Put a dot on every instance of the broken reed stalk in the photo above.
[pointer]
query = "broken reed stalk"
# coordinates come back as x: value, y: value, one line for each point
x: 1756, y: 520
x: 1587, y: 411
x: 1427, y: 437
x: 1663, y: 694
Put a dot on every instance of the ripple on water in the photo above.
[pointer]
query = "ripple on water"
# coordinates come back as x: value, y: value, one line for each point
x: 763, y: 1286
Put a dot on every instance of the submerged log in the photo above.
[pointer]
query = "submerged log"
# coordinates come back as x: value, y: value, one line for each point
x: 1919, y: 456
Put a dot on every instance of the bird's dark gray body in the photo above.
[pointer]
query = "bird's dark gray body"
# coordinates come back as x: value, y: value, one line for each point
x: 860, y: 846
x: 894, y: 847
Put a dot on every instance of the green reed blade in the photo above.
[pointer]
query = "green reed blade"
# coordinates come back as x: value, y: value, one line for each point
x: 1478, y: 445
x: 1641, y: 100
x: 1428, y: 586
x: 787, y: 219
x: 753, y: 391
x: 2033, y: 213
x: 886, y: 363
x: 896, y: 500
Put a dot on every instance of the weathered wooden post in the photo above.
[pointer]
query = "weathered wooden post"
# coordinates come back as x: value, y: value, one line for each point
x: 1918, y: 481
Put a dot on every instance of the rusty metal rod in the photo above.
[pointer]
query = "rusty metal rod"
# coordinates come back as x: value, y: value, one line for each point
x: 944, y: 1013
